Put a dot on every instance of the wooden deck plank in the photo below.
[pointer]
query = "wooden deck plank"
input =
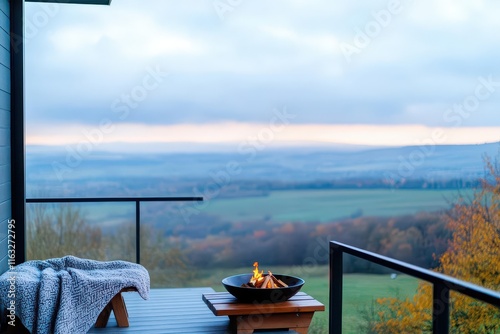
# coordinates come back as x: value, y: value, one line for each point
x: 170, y: 311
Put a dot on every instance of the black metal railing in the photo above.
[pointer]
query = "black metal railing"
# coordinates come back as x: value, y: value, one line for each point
x: 442, y: 284
x: 136, y: 200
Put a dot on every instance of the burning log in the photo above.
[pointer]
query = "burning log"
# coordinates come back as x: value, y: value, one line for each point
x: 268, y: 281
x: 279, y: 283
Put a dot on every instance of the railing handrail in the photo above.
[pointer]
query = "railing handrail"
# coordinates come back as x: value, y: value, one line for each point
x: 442, y: 284
x: 137, y: 200
x: 111, y: 199
x: 470, y: 289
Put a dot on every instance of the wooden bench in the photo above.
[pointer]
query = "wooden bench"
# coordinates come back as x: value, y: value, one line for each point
x: 117, y: 305
x: 294, y: 314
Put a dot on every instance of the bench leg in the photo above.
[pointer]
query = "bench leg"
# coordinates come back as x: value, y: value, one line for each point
x: 117, y: 305
x: 120, y: 310
x: 102, y: 319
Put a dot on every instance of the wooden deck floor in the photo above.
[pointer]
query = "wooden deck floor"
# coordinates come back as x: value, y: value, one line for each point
x: 172, y: 311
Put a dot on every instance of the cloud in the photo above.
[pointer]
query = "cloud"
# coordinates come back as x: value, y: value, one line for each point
x: 263, y: 55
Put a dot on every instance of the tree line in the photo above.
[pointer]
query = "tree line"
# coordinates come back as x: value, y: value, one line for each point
x: 60, y: 230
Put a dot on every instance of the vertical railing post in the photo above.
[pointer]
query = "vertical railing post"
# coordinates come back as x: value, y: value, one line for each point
x: 336, y: 273
x: 440, y: 308
x: 138, y: 231
x: 16, y: 169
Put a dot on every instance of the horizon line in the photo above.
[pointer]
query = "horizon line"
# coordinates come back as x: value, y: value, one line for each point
x: 277, y: 134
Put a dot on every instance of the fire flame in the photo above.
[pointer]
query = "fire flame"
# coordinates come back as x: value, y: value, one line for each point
x: 256, y: 273
x: 258, y: 280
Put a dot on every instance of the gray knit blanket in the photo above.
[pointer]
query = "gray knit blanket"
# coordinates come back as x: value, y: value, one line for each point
x: 66, y: 295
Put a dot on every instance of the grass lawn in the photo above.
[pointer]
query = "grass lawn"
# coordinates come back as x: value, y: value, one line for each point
x: 359, y: 290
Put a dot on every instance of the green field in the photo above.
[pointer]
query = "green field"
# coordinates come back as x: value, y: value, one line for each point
x: 360, y: 291
x: 333, y: 204
x: 291, y: 206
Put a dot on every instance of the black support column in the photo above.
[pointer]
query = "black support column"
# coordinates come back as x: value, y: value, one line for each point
x: 17, y: 126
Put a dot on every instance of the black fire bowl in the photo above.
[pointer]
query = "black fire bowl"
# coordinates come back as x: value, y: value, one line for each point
x: 233, y: 285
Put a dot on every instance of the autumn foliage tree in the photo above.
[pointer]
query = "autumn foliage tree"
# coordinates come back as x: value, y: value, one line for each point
x: 59, y: 230
x: 472, y: 255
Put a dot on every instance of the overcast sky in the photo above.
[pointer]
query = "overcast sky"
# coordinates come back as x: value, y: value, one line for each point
x: 355, y: 72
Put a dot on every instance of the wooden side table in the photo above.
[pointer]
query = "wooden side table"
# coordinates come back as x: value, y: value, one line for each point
x: 295, y: 313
